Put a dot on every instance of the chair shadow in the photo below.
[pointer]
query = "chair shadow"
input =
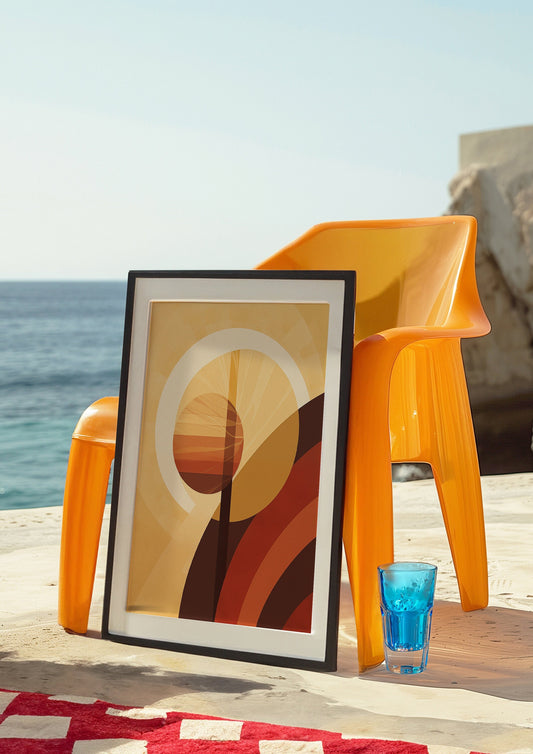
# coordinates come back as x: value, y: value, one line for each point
x: 488, y: 651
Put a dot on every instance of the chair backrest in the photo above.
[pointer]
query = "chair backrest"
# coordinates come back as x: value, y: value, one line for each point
x: 409, y: 272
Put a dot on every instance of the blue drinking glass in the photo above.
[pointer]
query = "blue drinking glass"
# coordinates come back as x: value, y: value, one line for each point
x: 406, y: 596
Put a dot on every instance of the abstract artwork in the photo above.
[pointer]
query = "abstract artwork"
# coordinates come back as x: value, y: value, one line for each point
x: 228, y: 481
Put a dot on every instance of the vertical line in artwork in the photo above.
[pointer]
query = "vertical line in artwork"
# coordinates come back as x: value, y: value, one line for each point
x: 227, y: 471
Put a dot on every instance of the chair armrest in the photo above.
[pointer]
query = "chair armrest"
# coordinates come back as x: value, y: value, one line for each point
x: 404, y: 336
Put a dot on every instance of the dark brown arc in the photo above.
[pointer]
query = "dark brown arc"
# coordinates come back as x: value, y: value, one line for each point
x: 310, y: 425
x: 291, y: 589
x: 199, y: 592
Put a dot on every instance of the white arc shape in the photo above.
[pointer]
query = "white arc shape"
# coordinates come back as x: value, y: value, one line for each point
x: 195, y: 358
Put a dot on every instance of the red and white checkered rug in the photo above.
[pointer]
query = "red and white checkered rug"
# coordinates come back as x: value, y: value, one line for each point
x: 43, y: 724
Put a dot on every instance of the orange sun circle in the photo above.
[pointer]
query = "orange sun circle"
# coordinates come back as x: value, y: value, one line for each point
x: 208, y: 442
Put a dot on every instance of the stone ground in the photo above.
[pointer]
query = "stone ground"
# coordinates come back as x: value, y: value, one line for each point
x: 476, y: 694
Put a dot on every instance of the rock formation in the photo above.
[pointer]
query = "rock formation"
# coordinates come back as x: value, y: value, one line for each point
x: 495, y: 184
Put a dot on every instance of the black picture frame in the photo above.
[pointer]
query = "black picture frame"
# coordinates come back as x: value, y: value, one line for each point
x: 239, y: 381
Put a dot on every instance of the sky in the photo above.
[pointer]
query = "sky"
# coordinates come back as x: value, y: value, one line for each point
x: 207, y: 135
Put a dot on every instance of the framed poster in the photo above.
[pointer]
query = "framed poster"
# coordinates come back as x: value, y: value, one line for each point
x: 226, y: 515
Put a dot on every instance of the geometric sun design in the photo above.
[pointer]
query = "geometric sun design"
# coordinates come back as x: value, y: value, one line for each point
x: 208, y: 443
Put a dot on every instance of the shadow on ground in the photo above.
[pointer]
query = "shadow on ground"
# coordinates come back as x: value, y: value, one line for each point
x: 127, y: 682
x: 487, y: 651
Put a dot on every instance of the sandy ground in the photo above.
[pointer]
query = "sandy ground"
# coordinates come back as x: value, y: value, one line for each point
x: 477, y: 692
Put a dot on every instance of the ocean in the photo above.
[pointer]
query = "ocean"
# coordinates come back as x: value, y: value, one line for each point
x: 60, y: 350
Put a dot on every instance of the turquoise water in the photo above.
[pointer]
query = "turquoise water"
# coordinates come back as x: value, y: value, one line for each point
x: 406, y: 595
x: 60, y: 350
x: 407, y: 630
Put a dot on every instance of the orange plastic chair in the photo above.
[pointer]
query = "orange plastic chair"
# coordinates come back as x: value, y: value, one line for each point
x: 416, y: 298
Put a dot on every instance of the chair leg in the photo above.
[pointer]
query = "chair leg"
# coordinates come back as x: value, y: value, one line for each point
x: 368, y: 520
x: 456, y: 471
x: 83, y: 508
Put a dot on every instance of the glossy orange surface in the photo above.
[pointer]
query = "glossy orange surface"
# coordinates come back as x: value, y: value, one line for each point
x: 416, y: 298
x: 91, y: 453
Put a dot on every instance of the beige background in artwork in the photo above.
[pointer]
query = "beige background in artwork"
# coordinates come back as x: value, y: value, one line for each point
x: 164, y: 536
